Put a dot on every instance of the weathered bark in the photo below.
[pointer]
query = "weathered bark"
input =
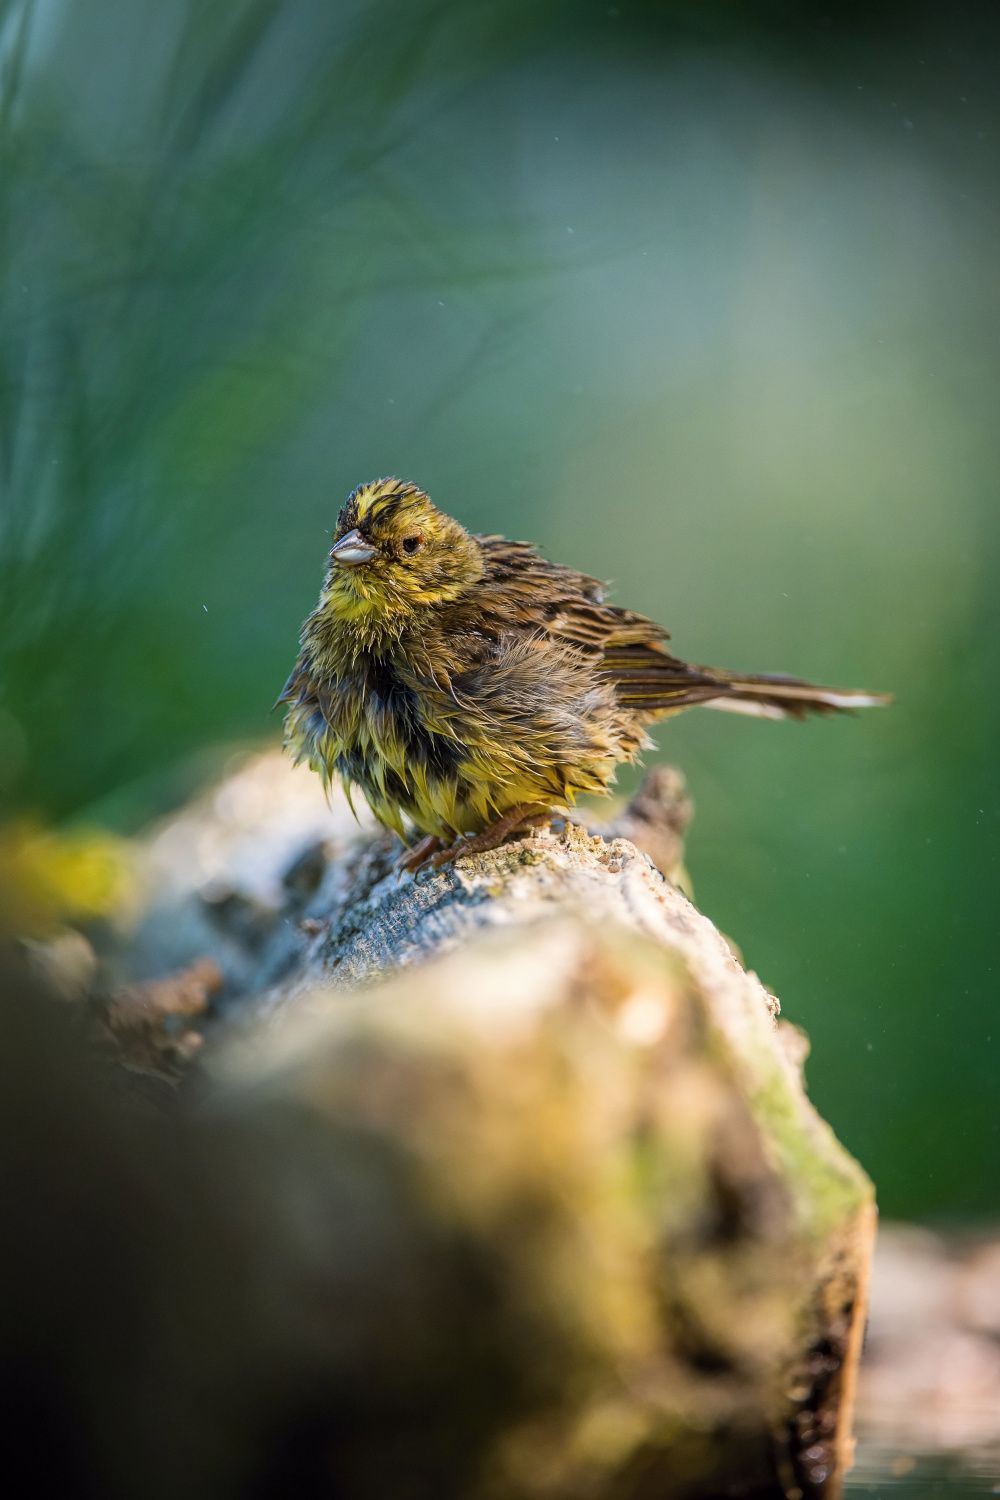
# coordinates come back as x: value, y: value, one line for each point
x: 586, y: 1090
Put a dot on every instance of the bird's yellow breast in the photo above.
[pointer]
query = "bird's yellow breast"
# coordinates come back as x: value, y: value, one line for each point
x: 447, y: 763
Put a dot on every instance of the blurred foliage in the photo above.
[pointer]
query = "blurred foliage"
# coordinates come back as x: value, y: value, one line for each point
x: 700, y: 296
x: 197, y: 203
x: 47, y: 878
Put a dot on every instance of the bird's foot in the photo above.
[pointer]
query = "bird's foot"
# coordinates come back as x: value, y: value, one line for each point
x: 516, y: 819
x: 537, y: 820
x: 414, y: 859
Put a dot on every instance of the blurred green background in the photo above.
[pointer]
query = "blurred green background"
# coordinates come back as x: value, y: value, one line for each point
x: 704, y: 298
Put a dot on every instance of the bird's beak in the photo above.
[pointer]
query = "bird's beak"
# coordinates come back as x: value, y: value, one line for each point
x: 352, y: 549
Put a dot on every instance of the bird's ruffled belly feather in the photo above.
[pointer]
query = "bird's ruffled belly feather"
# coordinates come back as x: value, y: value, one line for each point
x: 449, y: 762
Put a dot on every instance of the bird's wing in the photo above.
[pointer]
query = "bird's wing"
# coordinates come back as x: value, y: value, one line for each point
x: 650, y: 681
x: 525, y: 592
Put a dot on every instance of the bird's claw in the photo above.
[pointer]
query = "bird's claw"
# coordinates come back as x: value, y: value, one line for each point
x: 416, y: 858
x: 430, y: 853
x: 517, y: 819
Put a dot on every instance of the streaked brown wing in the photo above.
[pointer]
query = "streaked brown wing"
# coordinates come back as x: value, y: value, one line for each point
x: 521, y: 591
x: 649, y: 680
x: 538, y: 595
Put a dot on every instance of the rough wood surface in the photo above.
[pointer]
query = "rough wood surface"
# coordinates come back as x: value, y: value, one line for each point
x: 585, y: 1086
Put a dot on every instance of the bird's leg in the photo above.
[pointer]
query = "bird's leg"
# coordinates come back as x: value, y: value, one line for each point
x: 524, y: 815
x: 537, y: 820
x: 412, y: 859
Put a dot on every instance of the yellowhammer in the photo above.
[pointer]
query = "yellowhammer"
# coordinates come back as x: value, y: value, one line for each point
x: 469, y: 686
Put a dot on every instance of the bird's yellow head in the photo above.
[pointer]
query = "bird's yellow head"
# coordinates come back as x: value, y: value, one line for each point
x: 393, y: 552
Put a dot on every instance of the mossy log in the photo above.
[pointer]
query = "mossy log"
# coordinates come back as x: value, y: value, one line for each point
x: 572, y: 1086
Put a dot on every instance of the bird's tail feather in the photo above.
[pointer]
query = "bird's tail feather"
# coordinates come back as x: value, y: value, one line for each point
x: 774, y: 697
x: 653, y: 684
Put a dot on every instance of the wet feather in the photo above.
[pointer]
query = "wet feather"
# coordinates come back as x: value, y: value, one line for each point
x: 454, y: 677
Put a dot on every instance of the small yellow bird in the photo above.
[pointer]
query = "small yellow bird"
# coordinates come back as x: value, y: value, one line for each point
x: 471, y: 687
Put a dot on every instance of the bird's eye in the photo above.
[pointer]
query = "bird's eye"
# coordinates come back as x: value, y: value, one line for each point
x: 412, y: 544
